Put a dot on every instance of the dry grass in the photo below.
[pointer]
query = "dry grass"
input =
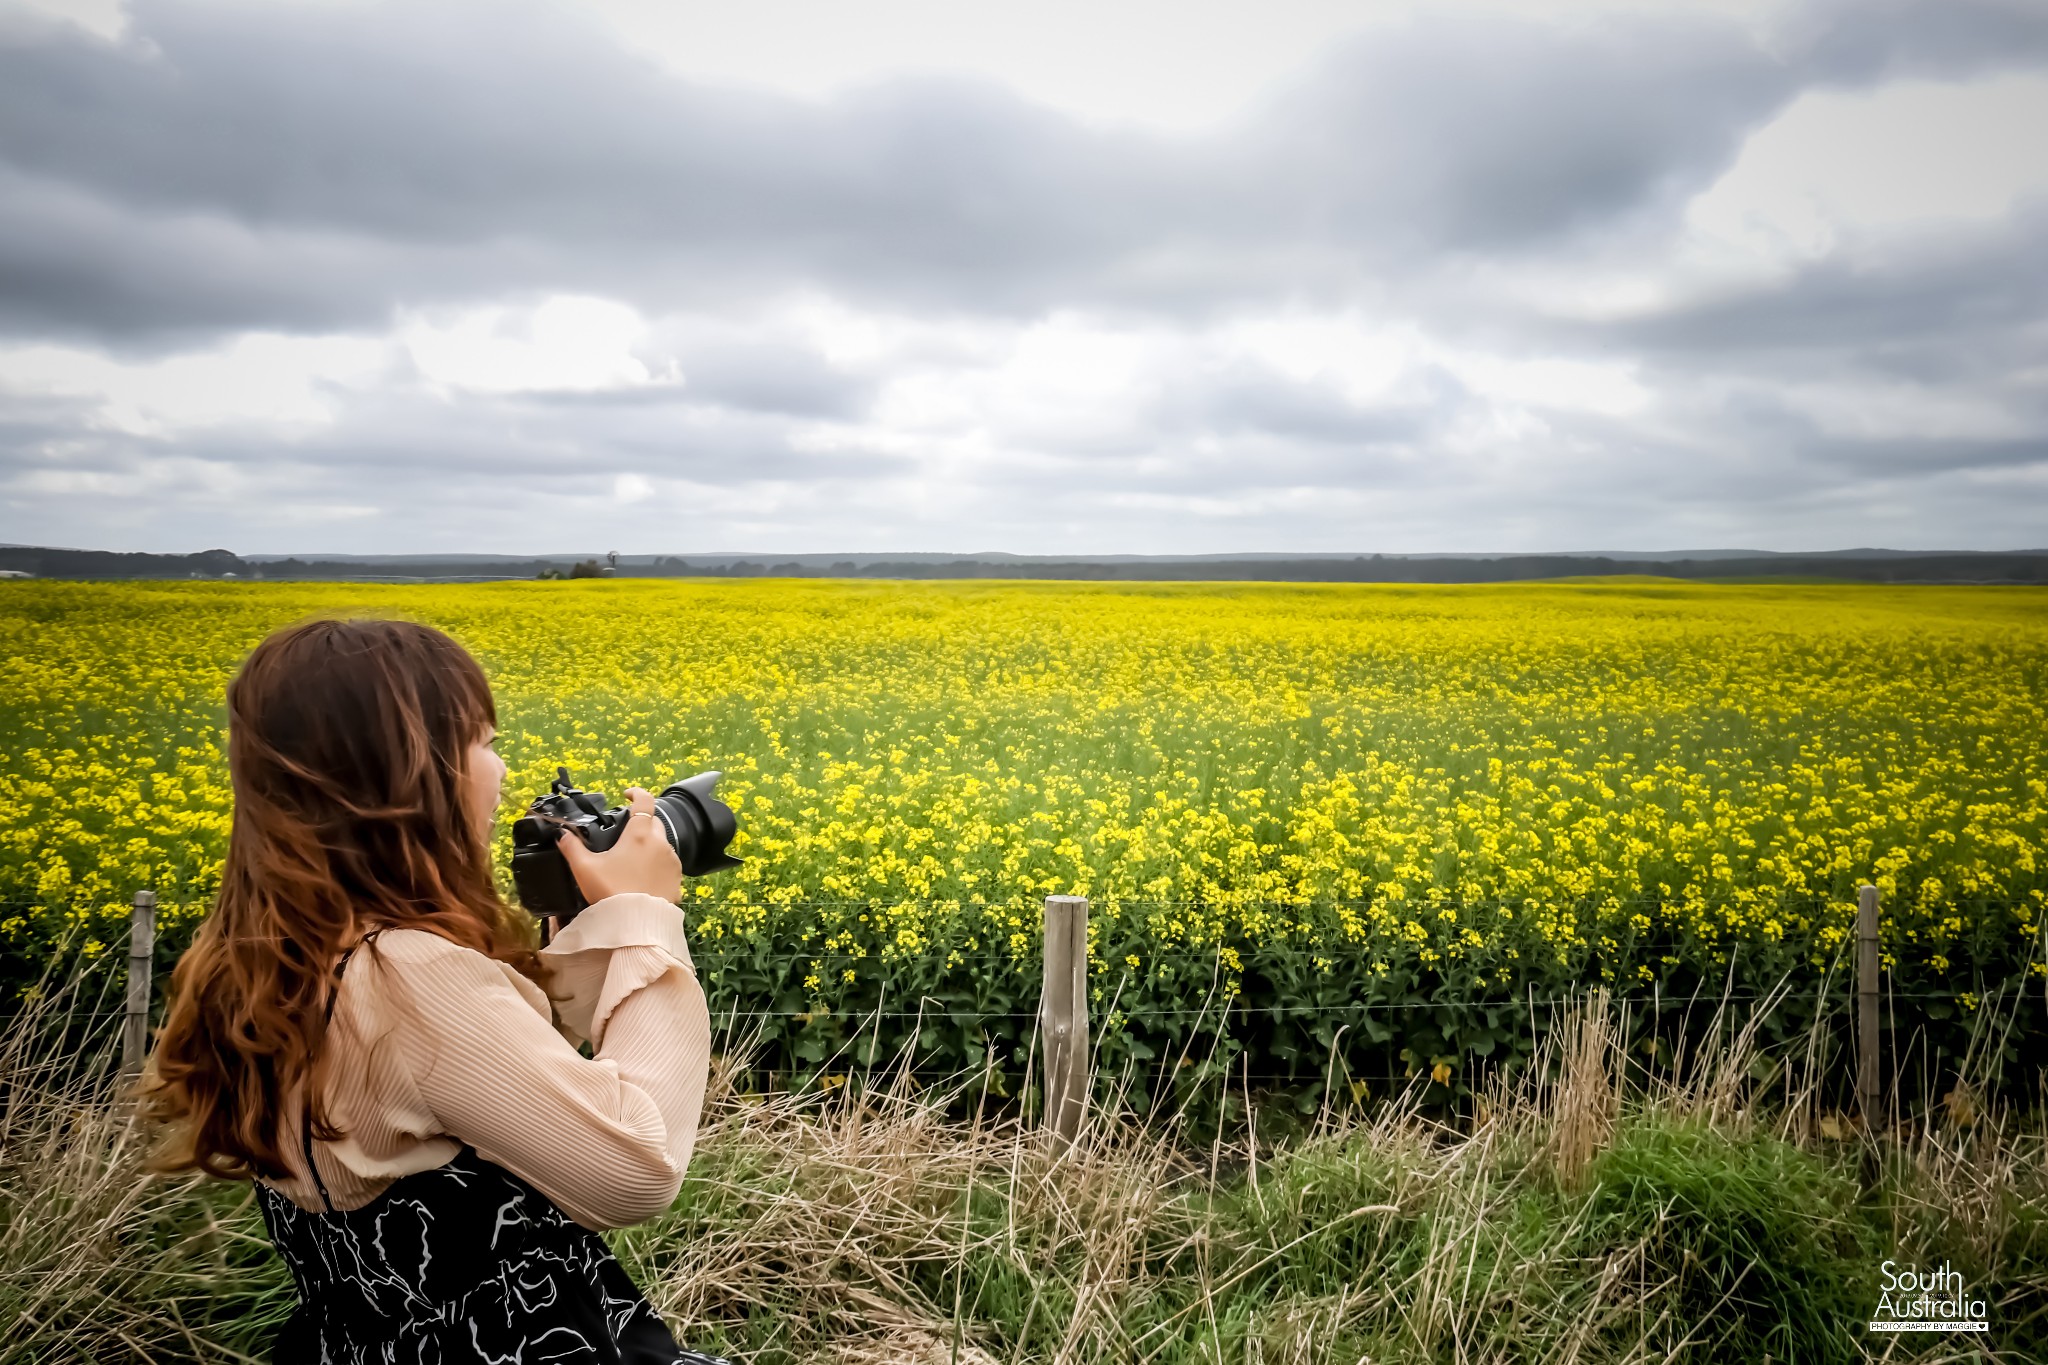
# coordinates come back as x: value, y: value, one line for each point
x: 1585, y: 1105
x: 1575, y: 1219
x: 97, y: 1261
x: 1567, y: 1223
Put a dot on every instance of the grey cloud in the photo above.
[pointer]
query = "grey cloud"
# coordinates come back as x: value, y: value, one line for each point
x: 515, y: 437
x: 1245, y: 402
x: 479, y: 450
x: 1767, y: 438
x: 517, y: 130
x: 774, y: 378
x: 1981, y: 287
x: 1861, y: 41
x: 78, y: 264
x: 1929, y: 456
x: 1510, y: 135
x: 324, y: 161
x: 73, y: 263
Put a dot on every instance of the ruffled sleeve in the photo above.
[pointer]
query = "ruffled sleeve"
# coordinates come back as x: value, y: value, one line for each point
x: 616, y: 947
x: 622, y: 978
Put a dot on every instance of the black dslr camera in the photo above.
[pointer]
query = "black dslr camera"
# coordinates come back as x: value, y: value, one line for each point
x: 698, y: 826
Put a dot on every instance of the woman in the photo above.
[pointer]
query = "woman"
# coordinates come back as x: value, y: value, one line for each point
x: 363, y: 1026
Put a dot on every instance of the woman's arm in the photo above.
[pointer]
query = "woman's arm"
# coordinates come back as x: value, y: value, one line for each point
x: 593, y: 1134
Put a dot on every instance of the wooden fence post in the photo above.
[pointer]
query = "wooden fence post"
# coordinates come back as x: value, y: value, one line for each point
x: 141, y: 954
x: 1866, y: 1008
x: 1063, y: 1015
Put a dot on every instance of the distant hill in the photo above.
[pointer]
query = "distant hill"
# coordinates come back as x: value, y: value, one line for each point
x: 712, y: 558
x: 1862, y: 565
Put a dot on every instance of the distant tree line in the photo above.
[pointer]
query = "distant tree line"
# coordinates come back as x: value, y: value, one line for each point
x: 1932, y: 568
x: 1975, y: 568
x: 111, y: 564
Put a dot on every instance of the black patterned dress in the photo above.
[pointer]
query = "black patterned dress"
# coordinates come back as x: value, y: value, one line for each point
x: 465, y: 1264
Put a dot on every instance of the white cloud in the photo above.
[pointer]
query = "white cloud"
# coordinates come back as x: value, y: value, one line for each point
x: 1840, y: 168
x: 1550, y: 382
x: 1175, y: 65
x: 565, y: 344
x: 1362, y: 360
x: 258, y: 378
x: 101, y: 18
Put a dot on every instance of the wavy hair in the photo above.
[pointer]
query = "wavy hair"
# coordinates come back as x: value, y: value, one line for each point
x: 348, y: 742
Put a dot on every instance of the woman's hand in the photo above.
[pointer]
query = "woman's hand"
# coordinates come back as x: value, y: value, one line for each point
x: 640, y: 862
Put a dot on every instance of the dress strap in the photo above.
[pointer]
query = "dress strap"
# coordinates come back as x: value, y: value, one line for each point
x: 306, y: 1123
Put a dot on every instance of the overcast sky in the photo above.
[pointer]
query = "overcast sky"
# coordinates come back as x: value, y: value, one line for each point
x: 1039, y: 275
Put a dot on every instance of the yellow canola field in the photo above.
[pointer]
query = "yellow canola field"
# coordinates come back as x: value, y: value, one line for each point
x: 917, y: 764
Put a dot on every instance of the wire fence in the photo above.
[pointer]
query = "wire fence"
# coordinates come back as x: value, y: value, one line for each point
x: 944, y: 995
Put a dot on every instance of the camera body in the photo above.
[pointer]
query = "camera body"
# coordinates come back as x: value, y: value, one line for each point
x: 696, y: 823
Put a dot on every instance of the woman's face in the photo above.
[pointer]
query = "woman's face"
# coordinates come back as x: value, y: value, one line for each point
x: 483, y: 782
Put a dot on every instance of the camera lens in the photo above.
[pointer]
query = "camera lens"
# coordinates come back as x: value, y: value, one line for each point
x: 698, y: 824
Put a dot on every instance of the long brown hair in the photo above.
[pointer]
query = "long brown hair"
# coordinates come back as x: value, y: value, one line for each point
x: 347, y: 745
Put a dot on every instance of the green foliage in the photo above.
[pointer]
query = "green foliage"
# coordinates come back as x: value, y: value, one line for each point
x: 1306, y: 1031
x: 1756, y: 1249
